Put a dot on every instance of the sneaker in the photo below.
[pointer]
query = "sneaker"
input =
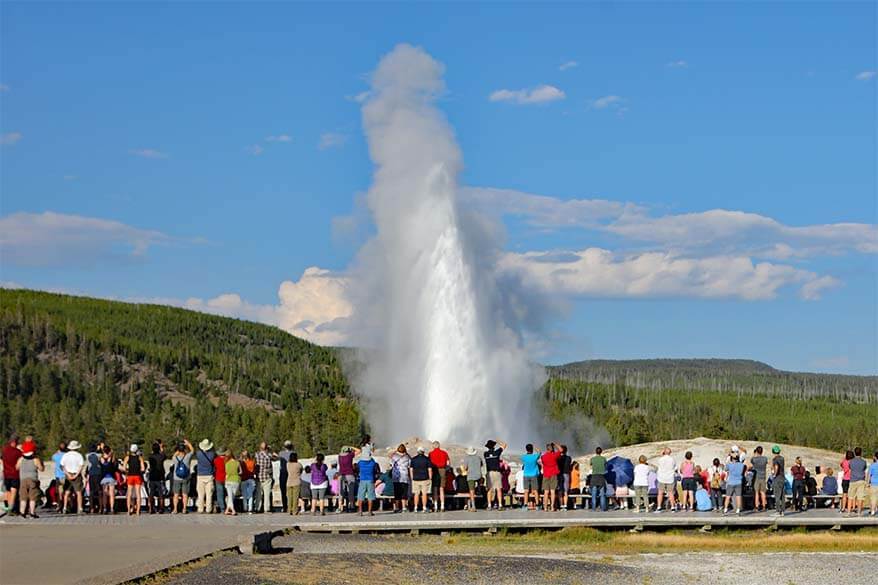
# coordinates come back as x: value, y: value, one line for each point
x: 34, y: 515
x: 738, y: 512
x: 658, y: 511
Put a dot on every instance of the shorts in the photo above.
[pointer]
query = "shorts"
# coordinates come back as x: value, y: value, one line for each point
x: 550, y: 483
x: 421, y: 487
x: 689, y: 484
x: 134, y: 480
x: 11, y: 484
x: 564, y: 482
x: 531, y: 484
x: 440, y: 471
x: 760, y: 485
x: 873, y: 496
x: 30, y: 490
x: 472, y: 483
x: 400, y: 490
x: 108, y: 481
x: 156, y: 489
x: 366, y: 491
x: 845, y: 484
x: 734, y: 490
x: 318, y: 493
x: 666, y: 488
x: 857, y: 490
x: 180, y: 487
x: 495, y: 480
x: 73, y: 484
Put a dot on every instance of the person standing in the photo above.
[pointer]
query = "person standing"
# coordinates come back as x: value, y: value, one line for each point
x: 219, y: 481
x: 857, y: 490
x: 530, y: 463
x: 28, y: 467
x: 368, y: 470
x: 734, y: 485
x: 474, y: 466
x: 493, y: 454
x: 421, y: 474
x: 283, y: 457
x: 798, y: 473
x: 294, y: 482
x: 666, y: 474
x: 565, y: 467
x: 155, y: 486
x: 599, y: 479
x: 400, y: 473
x: 319, y: 485
x: 845, y: 466
x: 93, y: 474
x: 56, y: 464
x: 248, y: 481
x: 440, y: 460
x: 181, y: 476
x: 109, y: 467
x: 778, y: 481
x: 641, y: 485
x: 265, y: 476
x: 11, y: 477
x: 873, y: 485
x: 233, y: 480
x: 134, y: 467
x: 347, y: 480
x: 204, y: 457
x: 759, y: 463
x: 716, y: 477
x: 549, y: 461
x: 72, y: 463
x: 688, y: 481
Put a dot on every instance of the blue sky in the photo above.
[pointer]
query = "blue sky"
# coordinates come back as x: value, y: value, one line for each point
x: 183, y: 152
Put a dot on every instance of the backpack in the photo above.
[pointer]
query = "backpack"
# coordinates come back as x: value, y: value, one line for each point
x: 181, y: 470
x: 715, y: 480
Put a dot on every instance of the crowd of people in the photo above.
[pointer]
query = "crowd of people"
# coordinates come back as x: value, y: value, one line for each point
x: 210, y: 480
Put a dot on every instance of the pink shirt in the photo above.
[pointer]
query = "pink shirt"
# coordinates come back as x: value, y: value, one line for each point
x: 846, y: 467
x: 687, y: 469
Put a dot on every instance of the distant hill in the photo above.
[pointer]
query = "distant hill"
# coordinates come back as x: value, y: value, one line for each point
x: 738, y: 376
x: 88, y: 368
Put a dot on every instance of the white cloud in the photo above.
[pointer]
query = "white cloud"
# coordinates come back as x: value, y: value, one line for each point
x: 279, y: 138
x: 606, y: 101
x: 254, y: 149
x: 10, y: 138
x: 568, y: 65
x: 331, y: 140
x: 866, y: 75
x: 542, y: 211
x: 595, y: 272
x: 57, y: 239
x: 148, y: 153
x: 537, y: 95
x: 360, y: 97
x: 678, y: 64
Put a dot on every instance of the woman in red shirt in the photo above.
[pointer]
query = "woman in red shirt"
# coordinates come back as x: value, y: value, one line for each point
x: 219, y: 481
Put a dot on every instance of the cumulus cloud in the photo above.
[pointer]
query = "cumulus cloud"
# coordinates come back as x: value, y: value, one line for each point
x: 866, y: 75
x: 148, y: 153
x: 567, y: 65
x: 10, y: 138
x: 595, y: 272
x: 331, y: 140
x: 536, y: 95
x: 57, y: 239
x: 543, y: 211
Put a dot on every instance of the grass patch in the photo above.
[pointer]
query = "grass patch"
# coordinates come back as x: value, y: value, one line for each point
x: 585, y: 539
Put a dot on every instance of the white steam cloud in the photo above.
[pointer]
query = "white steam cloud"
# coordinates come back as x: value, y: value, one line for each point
x: 444, y: 360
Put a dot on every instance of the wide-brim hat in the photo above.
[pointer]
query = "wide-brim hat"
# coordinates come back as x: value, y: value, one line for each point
x: 74, y: 445
x: 470, y: 451
x: 205, y: 445
x: 134, y: 448
x: 490, y: 444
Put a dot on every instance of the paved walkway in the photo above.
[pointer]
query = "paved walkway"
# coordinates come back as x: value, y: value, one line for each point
x: 110, y: 549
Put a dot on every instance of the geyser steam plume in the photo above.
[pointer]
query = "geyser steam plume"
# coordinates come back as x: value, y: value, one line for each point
x: 445, y: 360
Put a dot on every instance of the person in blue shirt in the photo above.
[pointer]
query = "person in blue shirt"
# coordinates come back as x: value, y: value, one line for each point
x: 734, y: 484
x: 873, y: 485
x: 368, y: 470
x: 530, y: 462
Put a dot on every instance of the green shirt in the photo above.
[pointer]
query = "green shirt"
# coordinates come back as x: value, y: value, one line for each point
x: 232, y: 474
x: 598, y: 465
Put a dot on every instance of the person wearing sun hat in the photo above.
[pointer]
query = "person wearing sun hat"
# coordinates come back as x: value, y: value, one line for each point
x: 29, y: 466
x: 204, y: 470
x: 134, y: 467
x: 778, y: 481
x: 474, y: 465
x: 73, y: 463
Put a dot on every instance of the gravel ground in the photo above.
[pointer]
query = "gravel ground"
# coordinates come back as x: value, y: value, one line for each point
x: 352, y: 559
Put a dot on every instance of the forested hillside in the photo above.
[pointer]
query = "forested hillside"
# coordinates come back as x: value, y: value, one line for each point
x: 741, y: 377
x: 86, y: 368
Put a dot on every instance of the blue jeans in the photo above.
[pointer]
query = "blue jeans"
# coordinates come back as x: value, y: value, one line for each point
x: 220, y: 490
x: 248, y: 490
x: 602, y: 490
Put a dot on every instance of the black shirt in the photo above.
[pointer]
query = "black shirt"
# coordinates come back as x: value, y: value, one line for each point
x: 420, y: 467
x: 156, y: 467
x: 565, y: 464
x: 492, y: 459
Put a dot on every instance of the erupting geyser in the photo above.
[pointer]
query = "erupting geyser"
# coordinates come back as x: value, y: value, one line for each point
x: 443, y: 361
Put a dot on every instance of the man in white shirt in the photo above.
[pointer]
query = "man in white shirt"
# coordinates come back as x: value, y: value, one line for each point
x: 73, y: 463
x: 666, y: 474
